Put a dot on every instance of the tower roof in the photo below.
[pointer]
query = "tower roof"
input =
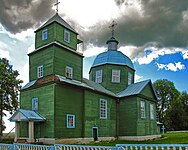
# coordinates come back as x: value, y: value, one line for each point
x: 112, y: 57
x: 58, y: 19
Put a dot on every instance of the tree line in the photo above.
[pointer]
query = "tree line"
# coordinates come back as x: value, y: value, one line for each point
x: 172, y: 105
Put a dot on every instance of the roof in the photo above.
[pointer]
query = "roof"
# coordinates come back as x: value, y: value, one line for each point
x: 112, y: 57
x: 26, y: 115
x: 58, y: 19
x: 29, y: 84
x: 134, y: 89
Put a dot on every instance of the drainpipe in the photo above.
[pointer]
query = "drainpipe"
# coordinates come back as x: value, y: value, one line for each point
x: 117, y: 117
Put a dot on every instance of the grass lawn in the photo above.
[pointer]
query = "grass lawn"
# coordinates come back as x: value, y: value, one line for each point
x: 168, y: 138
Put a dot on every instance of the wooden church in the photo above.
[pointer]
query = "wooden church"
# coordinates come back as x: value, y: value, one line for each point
x: 59, y: 105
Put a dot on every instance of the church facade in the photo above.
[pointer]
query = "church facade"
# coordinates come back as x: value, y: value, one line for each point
x: 58, y: 104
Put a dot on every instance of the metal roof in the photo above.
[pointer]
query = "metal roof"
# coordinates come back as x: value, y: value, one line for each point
x: 134, y: 89
x: 112, y: 57
x: 26, y: 115
x: 58, y: 19
x: 29, y: 84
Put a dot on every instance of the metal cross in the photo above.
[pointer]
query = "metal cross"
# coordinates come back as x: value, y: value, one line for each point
x: 56, y: 4
x: 112, y: 26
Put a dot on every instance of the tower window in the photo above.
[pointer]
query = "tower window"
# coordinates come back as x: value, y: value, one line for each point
x: 151, y: 111
x: 98, y: 78
x: 68, y: 72
x: 70, y: 121
x: 130, y: 76
x: 34, y: 103
x: 67, y: 36
x: 103, y: 109
x: 44, y: 34
x: 116, y: 76
x: 142, y: 109
x: 40, y: 71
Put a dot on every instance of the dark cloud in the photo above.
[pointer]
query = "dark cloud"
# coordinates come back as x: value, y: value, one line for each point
x: 19, y: 15
x: 164, y: 22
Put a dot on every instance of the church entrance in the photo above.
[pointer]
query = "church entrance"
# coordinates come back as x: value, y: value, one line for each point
x: 95, y: 133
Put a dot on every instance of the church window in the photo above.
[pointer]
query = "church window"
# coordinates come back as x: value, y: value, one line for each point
x: 67, y: 36
x: 115, y: 76
x: 35, y: 103
x: 70, y: 121
x: 151, y: 111
x: 98, y: 78
x: 44, y: 34
x: 103, y: 109
x: 142, y: 109
x: 40, y: 71
x: 68, y: 72
x: 130, y: 76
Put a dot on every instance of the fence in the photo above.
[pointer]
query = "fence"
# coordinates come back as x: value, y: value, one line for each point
x: 81, y: 147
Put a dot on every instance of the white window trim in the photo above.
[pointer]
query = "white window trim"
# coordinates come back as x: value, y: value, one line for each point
x: 117, y: 77
x: 40, y: 73
x: 152, y: 112
x: 144, y: 109
x: 106, y: 109
x: 71, y: 72
x: 44, y: 34
x: 67, y: 120
x: 67, y: 32
x: 98, y: 76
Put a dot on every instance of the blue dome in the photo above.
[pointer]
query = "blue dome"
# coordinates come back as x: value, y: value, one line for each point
x: 112, y: 57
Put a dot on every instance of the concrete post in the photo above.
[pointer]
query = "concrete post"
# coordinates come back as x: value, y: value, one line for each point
x: 17, y: 131
x: 31, y: 131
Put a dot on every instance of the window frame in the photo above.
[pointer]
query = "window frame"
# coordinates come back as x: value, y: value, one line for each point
x: 35, y: 103
x: 40, y: 71
x: 98, y: 76
x: 44, y: 34
x: 67, y: 32
x: 142, y: 110
x: 68, y: 74
x: 129, y: 78
x: 116, y: 77
x: 152, y: 111
x: 73, y: 121
x: 105, y: 111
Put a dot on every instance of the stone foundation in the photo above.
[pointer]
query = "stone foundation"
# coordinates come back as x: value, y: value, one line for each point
x: 139, y: 138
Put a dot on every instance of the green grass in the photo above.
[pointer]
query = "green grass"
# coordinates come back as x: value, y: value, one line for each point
x: 168, y: 138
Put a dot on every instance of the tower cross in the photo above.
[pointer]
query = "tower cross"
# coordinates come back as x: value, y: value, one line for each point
x: 56, y: 4
x: 112, y: 27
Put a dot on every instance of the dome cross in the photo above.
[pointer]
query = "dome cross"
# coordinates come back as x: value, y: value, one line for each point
x: 56, y: 4
x: 112, y: 27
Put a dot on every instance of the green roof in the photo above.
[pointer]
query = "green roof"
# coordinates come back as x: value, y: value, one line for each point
x: 58, y: 19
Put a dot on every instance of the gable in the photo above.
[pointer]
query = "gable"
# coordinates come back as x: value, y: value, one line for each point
x: 148, y: 91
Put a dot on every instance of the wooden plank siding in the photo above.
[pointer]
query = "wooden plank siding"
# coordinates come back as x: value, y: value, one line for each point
x: 106, y: 127
x: 45, y: 95
x: 68, y: 100
x: 55, y: 33
x: 107, y: 76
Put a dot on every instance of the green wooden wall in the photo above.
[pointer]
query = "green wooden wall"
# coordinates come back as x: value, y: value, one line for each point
x: 55, y: 33
x: 45, y: 96
x: 55, y: 59
x: 128, y: 113
x: 63, y: 58
x: 107, y: 76
x: 68, y: 100
x: 106, y: 127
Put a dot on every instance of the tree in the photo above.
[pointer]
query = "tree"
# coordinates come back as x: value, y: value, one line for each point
x: 166, y: 93
x: 9, y: 89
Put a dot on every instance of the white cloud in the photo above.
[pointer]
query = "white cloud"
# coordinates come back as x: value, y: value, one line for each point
x: 185, y: 55
x: 31, y: 48
x: 138, y: 78
x: 92, y: 50
x: 5, y: 54
x: 172, y: 67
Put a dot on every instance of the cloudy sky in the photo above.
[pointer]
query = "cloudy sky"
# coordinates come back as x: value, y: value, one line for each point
x: 153, y: 33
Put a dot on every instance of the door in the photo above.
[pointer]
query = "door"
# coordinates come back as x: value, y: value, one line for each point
x: 95, y: 133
